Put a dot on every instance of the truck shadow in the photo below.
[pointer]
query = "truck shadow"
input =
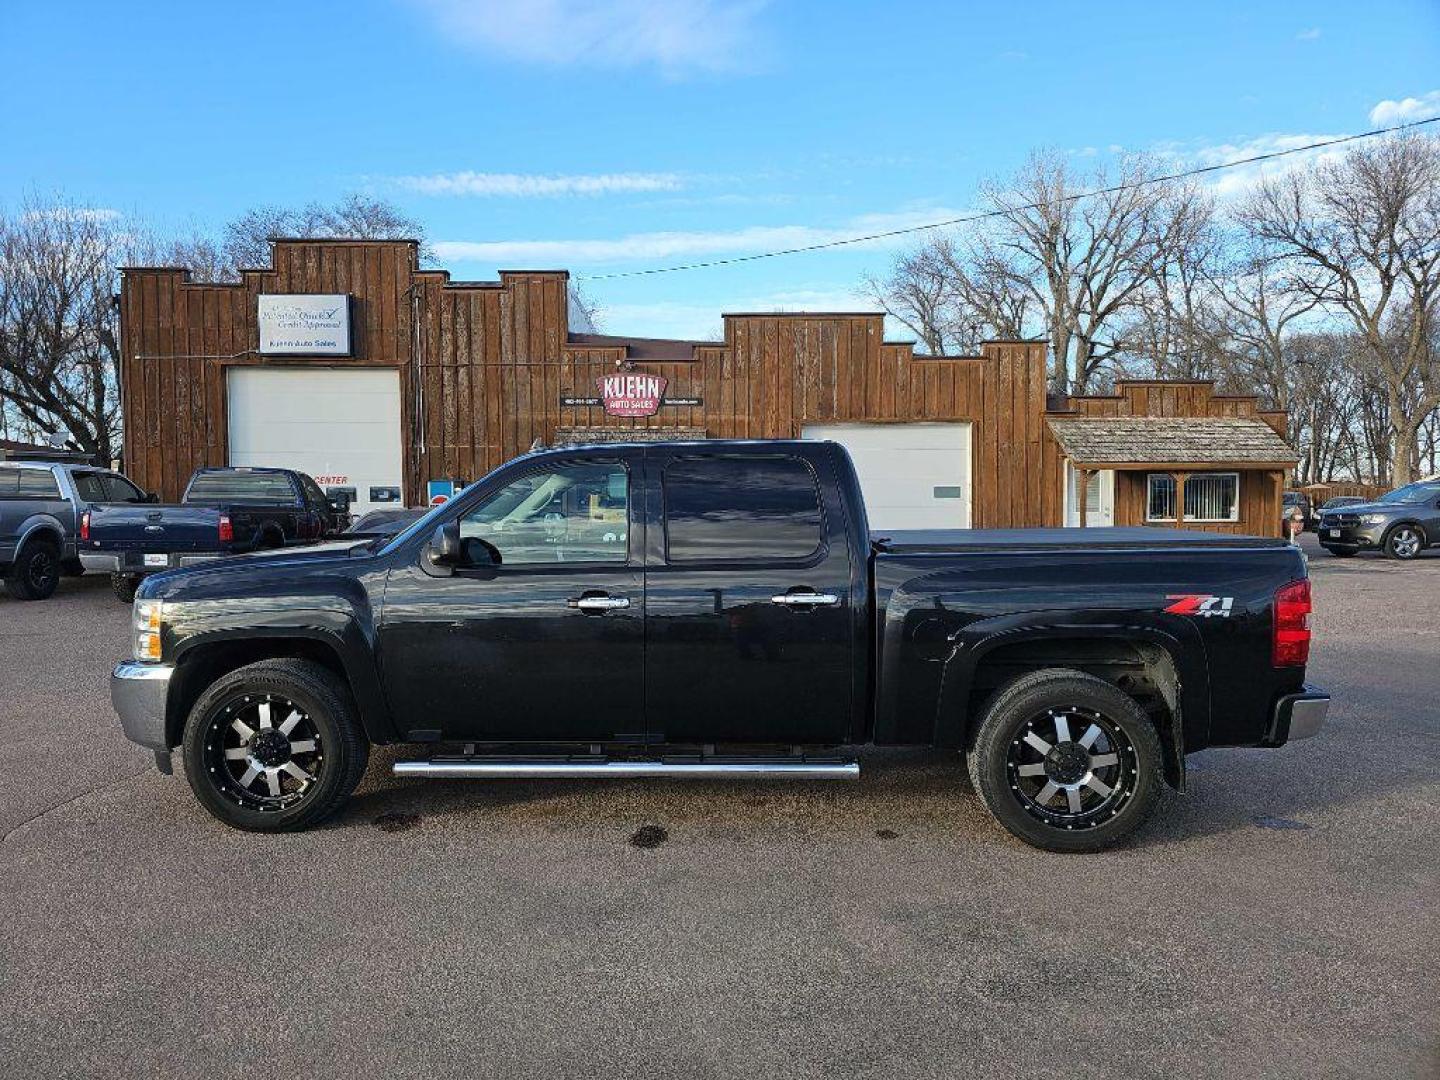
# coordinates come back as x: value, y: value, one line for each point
x: 901, y: 792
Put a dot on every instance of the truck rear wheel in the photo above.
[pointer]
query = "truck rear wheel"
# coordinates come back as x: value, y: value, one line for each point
x: 274, y: 746
x: 1066, y: 761
x: 124, y: 586
x: 35, y: 573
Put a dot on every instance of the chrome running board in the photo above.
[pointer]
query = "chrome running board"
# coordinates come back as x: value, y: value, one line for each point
x: 590, y: 768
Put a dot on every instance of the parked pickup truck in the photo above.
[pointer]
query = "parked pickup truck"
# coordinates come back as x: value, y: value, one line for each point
x: 223, y: 512
x: 720, y: 609
x: 42, y: 504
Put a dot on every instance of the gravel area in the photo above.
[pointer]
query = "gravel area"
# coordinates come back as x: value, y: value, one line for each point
x: 1279, y: 920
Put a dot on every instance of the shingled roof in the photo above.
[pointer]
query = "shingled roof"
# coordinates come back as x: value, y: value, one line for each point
x: 1170, y: 440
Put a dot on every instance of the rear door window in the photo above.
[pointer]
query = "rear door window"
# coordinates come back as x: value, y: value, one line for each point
x: 259, y: 488
x: 37, y: 484
x: 735, y: 508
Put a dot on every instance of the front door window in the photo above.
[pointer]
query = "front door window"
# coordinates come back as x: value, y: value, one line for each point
x: 572, y: 514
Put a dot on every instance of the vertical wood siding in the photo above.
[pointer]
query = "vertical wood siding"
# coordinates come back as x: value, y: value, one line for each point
x: 483, y: 366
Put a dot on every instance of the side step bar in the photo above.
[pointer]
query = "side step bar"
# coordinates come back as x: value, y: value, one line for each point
x: 583, y: 768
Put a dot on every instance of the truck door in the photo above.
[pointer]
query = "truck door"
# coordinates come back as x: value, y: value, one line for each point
x: 548, y: 644
x: 748, y: 631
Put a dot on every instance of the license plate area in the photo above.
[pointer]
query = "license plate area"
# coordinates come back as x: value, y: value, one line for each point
x: 152, y: 559
x: 1333, y: 532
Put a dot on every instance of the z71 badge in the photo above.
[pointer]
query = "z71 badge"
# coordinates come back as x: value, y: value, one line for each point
x: 1202, y: 604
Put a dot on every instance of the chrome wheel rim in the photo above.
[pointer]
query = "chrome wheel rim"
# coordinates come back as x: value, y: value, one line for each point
x: 1072, y: 768
x: 1406, y: 543
x: 263, y: 752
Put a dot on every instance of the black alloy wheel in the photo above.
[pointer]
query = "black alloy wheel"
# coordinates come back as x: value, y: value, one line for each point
x: 1066, y: 761
x: 35, y: 573
x: 275, y: 746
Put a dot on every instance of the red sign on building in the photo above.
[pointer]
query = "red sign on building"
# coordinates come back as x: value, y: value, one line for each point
x: 632, y: 394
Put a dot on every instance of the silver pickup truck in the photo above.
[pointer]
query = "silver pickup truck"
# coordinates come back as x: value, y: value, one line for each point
x: 41, y: 504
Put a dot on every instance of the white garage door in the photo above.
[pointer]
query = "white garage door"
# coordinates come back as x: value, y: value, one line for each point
x: 914, y: 476
x: 340, y: 425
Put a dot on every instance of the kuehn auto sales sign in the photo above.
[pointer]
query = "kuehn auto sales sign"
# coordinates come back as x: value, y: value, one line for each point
x: 631, y: 394
x: 309, y: 324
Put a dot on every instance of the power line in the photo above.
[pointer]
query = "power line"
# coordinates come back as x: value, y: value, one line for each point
x: 967, y: 219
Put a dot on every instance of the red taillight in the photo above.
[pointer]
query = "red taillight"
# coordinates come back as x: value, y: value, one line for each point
x: 1292, y: 625
x: 227, y: 531
x: 85, y: 525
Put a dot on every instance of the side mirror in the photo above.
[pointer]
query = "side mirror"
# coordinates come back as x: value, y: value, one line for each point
x: 445, y: 547
x: 151, y: 497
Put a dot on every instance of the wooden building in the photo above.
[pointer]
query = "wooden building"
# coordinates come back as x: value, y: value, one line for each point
x: 347, y: 360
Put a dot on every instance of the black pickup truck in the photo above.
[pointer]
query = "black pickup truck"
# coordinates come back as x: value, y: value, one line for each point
x: 224, y: 511
x: 720, y: 609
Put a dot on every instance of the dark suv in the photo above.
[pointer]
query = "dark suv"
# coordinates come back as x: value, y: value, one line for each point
x: 1401, y: 523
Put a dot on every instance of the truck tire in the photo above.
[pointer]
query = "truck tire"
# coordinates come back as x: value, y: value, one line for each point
x: 35, y: 573
x: 1403, y: 542
x: 274, y: 746
x: 1066, y: 761
x: 124, y: 586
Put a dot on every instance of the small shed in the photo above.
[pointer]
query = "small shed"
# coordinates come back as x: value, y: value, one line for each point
x: 1218, y: 473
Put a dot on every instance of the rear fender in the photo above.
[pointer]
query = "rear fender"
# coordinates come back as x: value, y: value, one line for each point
x: 1189, y: 711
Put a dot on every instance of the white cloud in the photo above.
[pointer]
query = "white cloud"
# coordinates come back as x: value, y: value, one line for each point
x: 677, y: 36
x: 1312, y: 34
x: 1232, y: 182
x: 1405, y: 110
x: 534, y: 186
x: 639, y: 247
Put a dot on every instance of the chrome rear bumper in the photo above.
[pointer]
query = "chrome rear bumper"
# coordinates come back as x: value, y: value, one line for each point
x: 1299, y: 716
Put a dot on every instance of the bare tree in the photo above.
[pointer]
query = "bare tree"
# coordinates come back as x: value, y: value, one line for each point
x: 1364, y: 236
x: 59, y: 356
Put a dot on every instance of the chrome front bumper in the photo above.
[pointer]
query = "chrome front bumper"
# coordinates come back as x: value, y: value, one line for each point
x: 139, y: 692
x: 1299, y: 716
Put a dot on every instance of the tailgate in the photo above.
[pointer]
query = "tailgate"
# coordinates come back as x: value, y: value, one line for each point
x: 147, y: 527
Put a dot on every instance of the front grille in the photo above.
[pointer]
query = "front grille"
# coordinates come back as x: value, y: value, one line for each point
x: 1339, y: 521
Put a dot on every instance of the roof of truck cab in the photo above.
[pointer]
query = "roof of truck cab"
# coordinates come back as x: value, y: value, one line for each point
x: 922, y: 541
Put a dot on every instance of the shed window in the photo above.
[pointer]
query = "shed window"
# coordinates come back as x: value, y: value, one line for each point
x: 1208, y: 497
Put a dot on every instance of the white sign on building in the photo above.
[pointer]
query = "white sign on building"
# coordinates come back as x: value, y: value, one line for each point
x: 304, y: 324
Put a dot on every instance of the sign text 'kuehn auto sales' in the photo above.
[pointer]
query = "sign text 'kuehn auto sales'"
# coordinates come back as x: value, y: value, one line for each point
x: 311, y: 324
x: 632, y: 394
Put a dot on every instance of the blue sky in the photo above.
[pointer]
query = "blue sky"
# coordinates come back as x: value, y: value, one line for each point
x: 614, y: 136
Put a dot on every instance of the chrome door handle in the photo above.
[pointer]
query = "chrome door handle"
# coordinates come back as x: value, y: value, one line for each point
x: 806, y: 599
x: 598, y: 603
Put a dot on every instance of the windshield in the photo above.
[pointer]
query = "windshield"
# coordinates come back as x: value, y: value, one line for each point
x: 1412, y: 493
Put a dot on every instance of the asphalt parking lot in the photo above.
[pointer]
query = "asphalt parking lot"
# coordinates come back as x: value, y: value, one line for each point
x: 1279, y: 920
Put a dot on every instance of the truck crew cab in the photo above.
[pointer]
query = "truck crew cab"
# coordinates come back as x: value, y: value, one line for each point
x: 720, y: 609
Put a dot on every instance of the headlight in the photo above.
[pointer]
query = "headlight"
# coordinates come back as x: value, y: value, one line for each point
x: 1372, y: 519
x: 147, y: 618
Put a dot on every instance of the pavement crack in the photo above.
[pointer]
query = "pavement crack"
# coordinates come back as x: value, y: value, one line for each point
x: 73, y: 799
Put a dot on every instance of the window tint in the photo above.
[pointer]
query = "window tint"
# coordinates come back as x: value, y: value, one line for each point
x: 571, y: 513
x: 118, y: 489
x: 37, y: 484
x: 741, y: 508
x: 90, y: 487
x: 313, y: 493
x: 242, y: 487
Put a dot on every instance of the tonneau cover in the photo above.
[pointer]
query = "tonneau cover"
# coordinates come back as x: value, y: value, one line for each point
x: 921, y: 541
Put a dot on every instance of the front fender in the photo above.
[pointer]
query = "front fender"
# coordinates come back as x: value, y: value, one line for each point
x: 204, y: 626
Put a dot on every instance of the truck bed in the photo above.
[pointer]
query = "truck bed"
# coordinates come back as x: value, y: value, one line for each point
x: 938, y: 541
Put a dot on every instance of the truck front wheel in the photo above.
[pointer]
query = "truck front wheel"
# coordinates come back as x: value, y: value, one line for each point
x: 274, y: 746
x: 1066, y: 761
